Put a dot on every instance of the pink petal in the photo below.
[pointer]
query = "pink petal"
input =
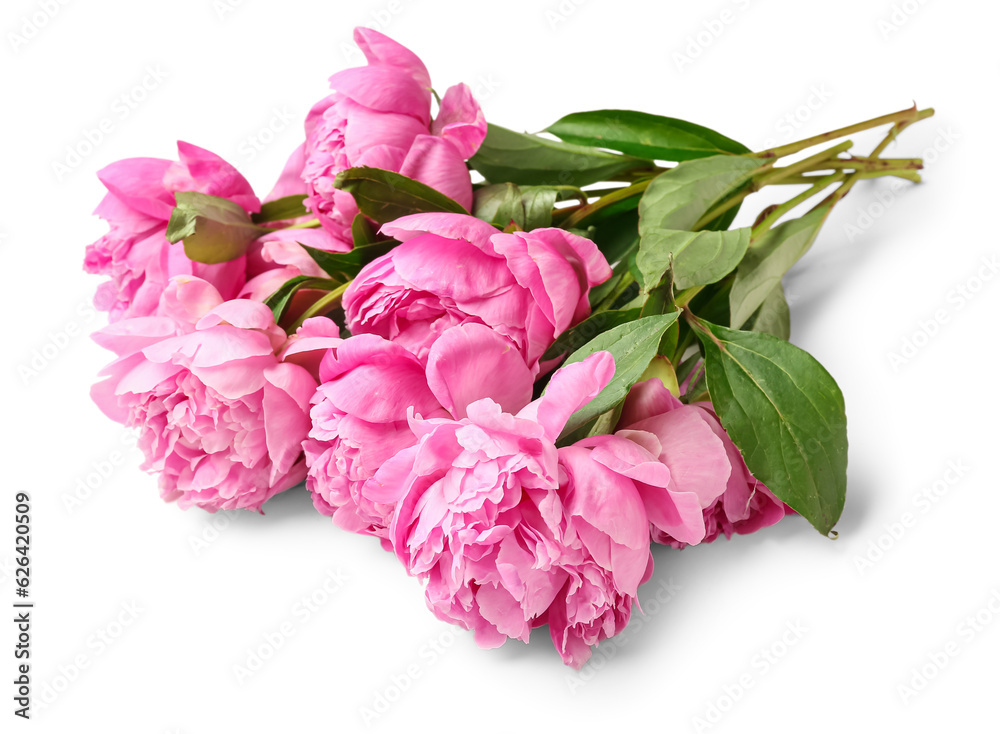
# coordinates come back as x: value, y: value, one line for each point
x: 379, y: 49
x: 452, y: 226
x: 287, y: 391
x: 241, y: 313
x: 503, y: 611
x: 460, y: 121
x: 385, y: 89
x: 449, y: 268
x: 695, y: 456
x: 679, y: 514
x: 375, y: 380
x: 435, y: 162
x: 471, y: 362
x: 131, y: 335
x: 290, y: 181
x: 605, y: 499
x: 570, y: 388
x: 138, y: 182
x: 645, y: 400
x: 203, y: 171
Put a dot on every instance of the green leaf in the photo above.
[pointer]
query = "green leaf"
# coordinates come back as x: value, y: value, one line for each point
x: 538, y: 204
x: 342, y: 266
x: 618, y: 237
x: 633, y: 345
x: 499, y: 204
x: 385, y: 195
x: 362, y: 233
x: 288, y: 207
x: 785, y: 413
x: 644, y: 135
x: 214, y: 230
x: 508, y: 156
x: 678, y: 198
x: 530, y: 207
x: 772, y: 317
x: 601, y: 425
x: 699, y: 258
x: 279, y: 301
x: 768, y: 260
x: 574, y: 338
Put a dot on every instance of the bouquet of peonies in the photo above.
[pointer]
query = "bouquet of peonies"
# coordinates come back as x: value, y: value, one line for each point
x: 516, y: 384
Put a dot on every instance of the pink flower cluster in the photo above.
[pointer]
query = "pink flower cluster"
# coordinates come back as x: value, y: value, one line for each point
x: 421, y: 428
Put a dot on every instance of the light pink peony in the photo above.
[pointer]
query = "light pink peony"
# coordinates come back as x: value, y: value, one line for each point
x: 711, y: 488
x: 510, y: 533
x: 221, y: 417
x: 380, y: 115
x: 455, y: 269
x: 135, y: 252
x: 368, y: 389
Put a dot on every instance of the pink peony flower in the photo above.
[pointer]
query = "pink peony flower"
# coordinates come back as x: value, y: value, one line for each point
x: 135, y: 252
x: 221, y: 417
x: 455, y: 269
x: 380, y: 115
x: 510, y: 533
x: 710, y: 486
x: 368, y: 388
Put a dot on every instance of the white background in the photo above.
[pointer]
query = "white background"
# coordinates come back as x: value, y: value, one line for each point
x: 209, y: 588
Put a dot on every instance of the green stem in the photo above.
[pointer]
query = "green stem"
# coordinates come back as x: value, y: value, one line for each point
x: 782, y: 209
x: 311, y: 224
x: 800, y: 180
x: 682, y: 347
x: 684, y: 297
x: 621, y: 194
x: 327, y: 303
x: 873, y: 164
x: 907, y: 116
x: 772, y: 176
x: 811, y: 163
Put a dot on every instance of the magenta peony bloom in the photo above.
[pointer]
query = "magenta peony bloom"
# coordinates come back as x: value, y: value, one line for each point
x: 510, y: 533
x: 135, y: 252
x: 368, y: 389
x: 380, y: 115
x: 221, y: 417
x: 455, y: 269
x: 710, y: 486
